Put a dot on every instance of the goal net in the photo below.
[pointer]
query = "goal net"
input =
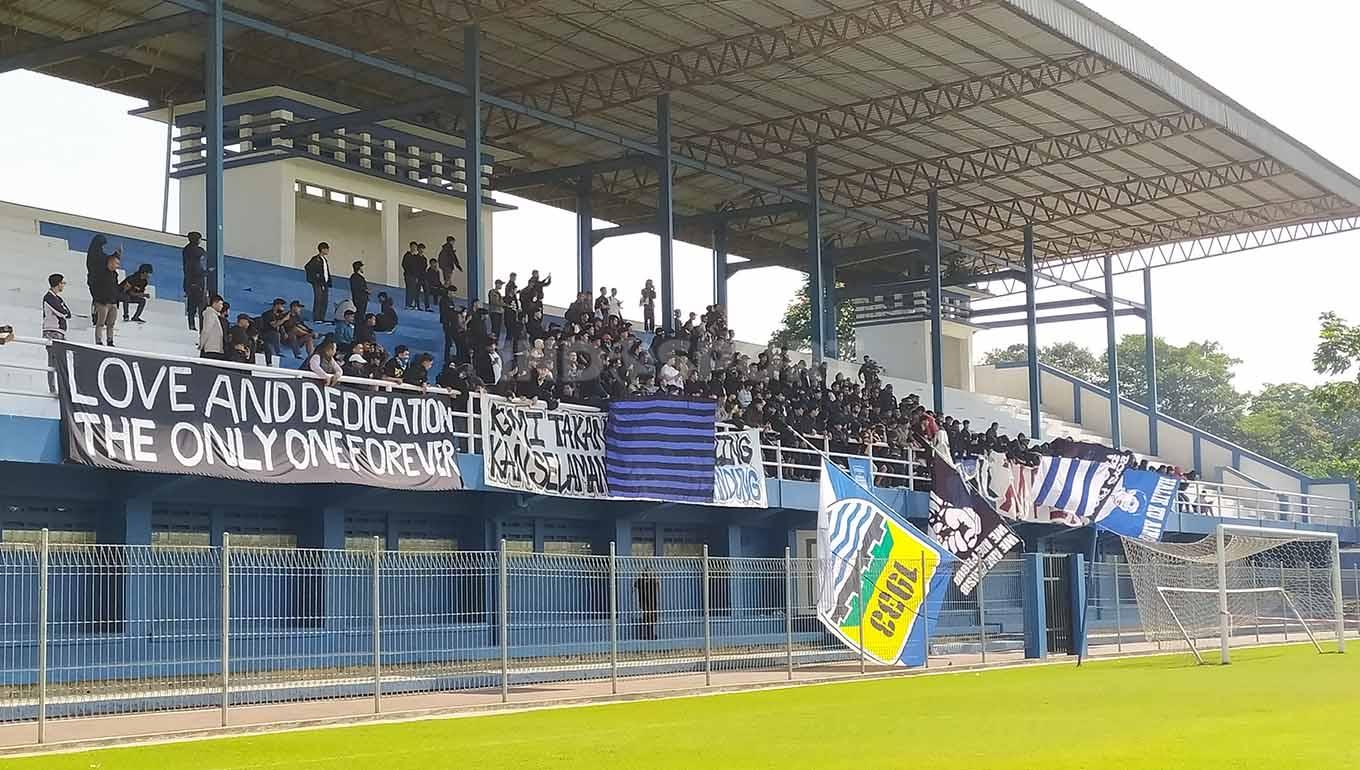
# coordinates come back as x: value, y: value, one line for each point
x: 1240, y: 585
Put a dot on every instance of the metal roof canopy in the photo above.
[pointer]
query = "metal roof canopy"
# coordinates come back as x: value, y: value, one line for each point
x: 1015, y: 111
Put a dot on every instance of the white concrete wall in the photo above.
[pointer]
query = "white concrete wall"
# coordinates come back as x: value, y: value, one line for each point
x: 904, y: 350
x: 257, y: 213
x: 353, y: 233
x: 431, y: 228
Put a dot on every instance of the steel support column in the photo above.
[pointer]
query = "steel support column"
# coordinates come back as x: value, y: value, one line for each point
x: 720, y: 264
x: 665, y: 216
x: 1150, y: 362
x: 816, y: 296
x: 936, y: 299
x: 1112, y: 357
x: 830, y: 311
x: 585, y: 243
x: 213, y: 181
x: 472, y: 144
x: 1031, y: 335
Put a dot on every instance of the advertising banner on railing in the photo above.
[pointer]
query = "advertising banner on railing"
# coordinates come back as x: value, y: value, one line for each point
x: 146, y: 413
x: 881, y: 582
x: 541, y: 451
x: 738, y: 470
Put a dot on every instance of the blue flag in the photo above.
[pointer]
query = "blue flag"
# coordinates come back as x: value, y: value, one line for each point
x: 1140, y: 505
x: 661, y: 448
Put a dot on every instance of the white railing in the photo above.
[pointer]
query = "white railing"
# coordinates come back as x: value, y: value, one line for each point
x: 802, y: 462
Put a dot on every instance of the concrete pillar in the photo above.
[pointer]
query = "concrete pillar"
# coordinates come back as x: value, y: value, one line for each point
x: 389, y: 270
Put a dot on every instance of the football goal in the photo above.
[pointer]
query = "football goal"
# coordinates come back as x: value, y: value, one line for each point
x: 1246, y: 585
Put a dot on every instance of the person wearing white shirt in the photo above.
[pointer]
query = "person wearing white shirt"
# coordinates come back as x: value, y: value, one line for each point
x: 211, y: 342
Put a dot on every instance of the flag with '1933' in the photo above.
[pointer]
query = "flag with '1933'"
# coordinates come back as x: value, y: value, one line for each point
x: 881, y: 582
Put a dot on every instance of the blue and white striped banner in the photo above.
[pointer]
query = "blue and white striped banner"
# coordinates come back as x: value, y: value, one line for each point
x: 661, y: 448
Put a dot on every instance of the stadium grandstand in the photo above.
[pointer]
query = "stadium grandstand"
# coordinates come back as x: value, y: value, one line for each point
x: 186, y: 546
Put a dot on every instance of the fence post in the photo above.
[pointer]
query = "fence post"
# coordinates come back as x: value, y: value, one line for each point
x: 708, y: 638
x: 1356, y: 570
x: 42, y: 636
x: 377, y: 625
x: 1284, y: 616
x: 788, y: 611
x: 226, y: 625
x: 982, y: 616
x: 613, y: 618
x: 504, y: 623
x: 1118, y: 618
x: 863, y: 605
x: 925, y: 611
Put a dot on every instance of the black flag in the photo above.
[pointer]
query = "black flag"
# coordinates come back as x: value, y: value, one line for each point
x: 966, y: 525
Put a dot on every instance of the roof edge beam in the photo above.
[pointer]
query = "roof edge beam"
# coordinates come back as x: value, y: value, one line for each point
x: 569, y: 173
x: 712, y: 218
x: 119, y: 37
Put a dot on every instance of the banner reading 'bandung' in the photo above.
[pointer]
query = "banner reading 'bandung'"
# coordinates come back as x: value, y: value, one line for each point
x: 142, y: 413
x: 738, y: 470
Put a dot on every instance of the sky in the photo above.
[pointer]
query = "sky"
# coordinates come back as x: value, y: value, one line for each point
x: 76, y: 149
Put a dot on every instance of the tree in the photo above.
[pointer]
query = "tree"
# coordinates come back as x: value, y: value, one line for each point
x: 795, y: 329
x: 1194, y: 382
x: 1067, y: 356
x: 1289, y: 424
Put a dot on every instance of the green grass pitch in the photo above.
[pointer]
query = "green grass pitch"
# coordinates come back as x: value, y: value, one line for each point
x: 1278, y: 708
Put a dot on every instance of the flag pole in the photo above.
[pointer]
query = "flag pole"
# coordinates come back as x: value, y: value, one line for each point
x: 1086, y: 596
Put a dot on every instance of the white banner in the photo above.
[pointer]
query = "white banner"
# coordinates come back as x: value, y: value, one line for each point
x: 530, y: 449
x: 738, y: 470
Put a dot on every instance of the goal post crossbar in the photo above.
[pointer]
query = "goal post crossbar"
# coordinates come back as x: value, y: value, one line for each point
x: 1179, y: 583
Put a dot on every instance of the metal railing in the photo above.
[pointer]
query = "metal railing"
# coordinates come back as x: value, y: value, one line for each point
x: 893, y: 467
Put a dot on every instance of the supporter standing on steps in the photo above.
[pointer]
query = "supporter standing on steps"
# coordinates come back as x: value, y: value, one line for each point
x: 211, y: 342
x: 104, y: 292
x: 55, y: 312
x: 318, y: 271
x: 358, y: 290
x: 412, y: 269
x: 195, y: 259
x: 448, y: 260
x: 95, y: 262
x: 648, y: 305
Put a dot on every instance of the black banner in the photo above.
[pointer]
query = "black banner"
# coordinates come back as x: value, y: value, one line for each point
x: 967, y: 525
x: 143, y: 413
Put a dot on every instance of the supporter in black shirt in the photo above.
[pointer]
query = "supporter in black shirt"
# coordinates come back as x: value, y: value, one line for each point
x: 433, y: 286
x: 195, y: 266
x: 412, y: 269
x: 387, y: 314
x: 395, y: 368
x: 419, y: 373
x: 358, y: 290
x: 133, y: 289
x: 365, y: 330
x: 243, y: 340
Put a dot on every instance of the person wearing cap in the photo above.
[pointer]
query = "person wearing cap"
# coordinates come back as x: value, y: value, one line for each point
x: 195, y: 267
x: 243, y: 340
x: 358, y: 290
